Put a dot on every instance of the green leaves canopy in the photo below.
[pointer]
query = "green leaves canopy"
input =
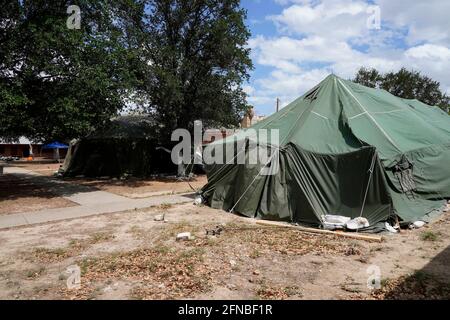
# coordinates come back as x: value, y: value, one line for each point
x: 405, y: 84
x: 198, y: 59
x: 56, y: 82
x: 182, y: 60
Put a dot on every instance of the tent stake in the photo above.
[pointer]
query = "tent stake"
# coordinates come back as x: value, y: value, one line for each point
x: 329, y: 232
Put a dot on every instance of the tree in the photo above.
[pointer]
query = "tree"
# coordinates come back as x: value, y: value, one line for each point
x: 182, y: 59
x: 368, y: 77
x: 197, y: 61
x: 405, y: 84
x: 59, y: 83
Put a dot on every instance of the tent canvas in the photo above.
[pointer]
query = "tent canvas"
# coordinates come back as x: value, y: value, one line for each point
x: 125, y: 146
x: 343, y: 149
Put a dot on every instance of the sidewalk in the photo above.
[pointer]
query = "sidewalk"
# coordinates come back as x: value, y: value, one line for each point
x: 91, y: 201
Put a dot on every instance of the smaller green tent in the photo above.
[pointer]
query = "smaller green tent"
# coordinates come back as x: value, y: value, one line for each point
x: 127, y: 145
x: 343, y: 149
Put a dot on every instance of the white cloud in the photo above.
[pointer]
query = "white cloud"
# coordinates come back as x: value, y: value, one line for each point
x: 248, y: 89
x: 429, y: 51
x: 343, y: 19
x: 316, y: 38
x: 424, y: 20
x: 291, y: 85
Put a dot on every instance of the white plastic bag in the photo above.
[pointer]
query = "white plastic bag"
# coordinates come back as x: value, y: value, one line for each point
x: 333, y: 222
x: 357, y: 223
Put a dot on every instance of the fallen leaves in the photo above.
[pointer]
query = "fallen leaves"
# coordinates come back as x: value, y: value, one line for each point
x: 289, y: 242
x: 418, y: 286
x: 161, y: 273
x: 278, y: 293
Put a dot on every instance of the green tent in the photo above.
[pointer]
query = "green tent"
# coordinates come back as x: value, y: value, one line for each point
x: 125, y: 146
x: 343, y: 149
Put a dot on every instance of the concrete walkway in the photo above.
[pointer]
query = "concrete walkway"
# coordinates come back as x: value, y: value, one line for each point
x: 91, y: 201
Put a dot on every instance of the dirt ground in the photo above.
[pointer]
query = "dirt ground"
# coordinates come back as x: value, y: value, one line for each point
x: 129, y: 255
x: 143, y: 188
x: 45, y: 169
x: 19, y: 194
x: 131, y: 188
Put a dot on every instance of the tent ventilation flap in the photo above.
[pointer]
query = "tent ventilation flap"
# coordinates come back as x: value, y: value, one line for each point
x: 403, y: 171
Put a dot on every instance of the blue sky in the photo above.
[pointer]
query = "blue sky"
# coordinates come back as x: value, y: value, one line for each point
x: 296, y: 43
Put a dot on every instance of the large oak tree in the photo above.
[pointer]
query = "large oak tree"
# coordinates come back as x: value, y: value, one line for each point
x: 56, y: 82
x: 197, y: 61
x: 181, y: 59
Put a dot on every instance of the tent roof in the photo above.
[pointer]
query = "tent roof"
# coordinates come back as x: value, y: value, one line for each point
x: 339, y: 116
x: 131, y: 126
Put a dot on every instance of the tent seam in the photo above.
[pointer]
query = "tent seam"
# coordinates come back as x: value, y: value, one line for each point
x: 371, y: 117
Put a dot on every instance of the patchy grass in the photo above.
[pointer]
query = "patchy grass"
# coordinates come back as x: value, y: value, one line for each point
x: 255, y: 254
x: 165, y: 206
x: 35, y: 273
x: 352, y: 249
x: 171, y: 230
x: 350, y: 288
x: 100, y: 237
x: 137, y: 232
x: 74, y: 248
x: 429, y: 236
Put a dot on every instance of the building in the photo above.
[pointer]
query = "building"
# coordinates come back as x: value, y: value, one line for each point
x: 22, y: 148
x: 251, y: 119
x: 18, y: 148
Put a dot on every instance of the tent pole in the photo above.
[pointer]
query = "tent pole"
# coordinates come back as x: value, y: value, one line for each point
x: 320, y: 231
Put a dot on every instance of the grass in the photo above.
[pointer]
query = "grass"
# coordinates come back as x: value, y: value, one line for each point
x: 75, y: 247
x: 100, y: 237
x: 165, y: 206
x: 255, y: 254
x: 35, y: 273
x: 429, y: 236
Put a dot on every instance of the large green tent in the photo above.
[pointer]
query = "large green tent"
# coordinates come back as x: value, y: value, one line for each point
x: 343, y: 149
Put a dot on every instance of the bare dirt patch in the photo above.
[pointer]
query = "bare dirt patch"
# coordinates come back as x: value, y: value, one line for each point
x: 19, y: 194
x: 142, y: 188
x: 45, y: 169
x: 130, y: 256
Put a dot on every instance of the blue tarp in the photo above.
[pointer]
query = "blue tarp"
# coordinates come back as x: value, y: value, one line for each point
x: 55, y: 145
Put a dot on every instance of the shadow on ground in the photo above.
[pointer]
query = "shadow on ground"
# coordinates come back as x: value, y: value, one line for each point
x: 18, y: 185
x: 432, y: 282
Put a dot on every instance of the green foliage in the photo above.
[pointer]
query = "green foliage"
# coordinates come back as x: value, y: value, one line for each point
x: 56, y: 82
x: 428, y: 236
x: 405, y: 84
x: 198, y: 60
x: 182, y: 59
x: 368, y: 77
